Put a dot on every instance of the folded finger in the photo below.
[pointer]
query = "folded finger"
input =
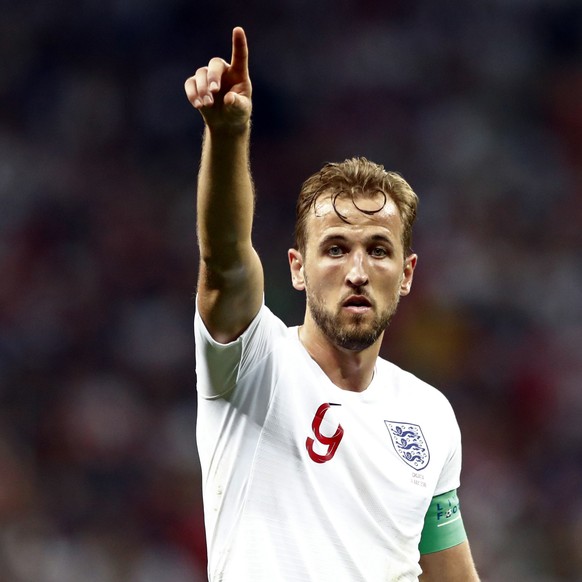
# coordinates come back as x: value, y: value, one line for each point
x: 201, y: 78
x: 192, y: 92
x: 216, y: 69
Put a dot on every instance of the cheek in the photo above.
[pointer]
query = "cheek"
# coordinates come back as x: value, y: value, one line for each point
x: 389, y: 279
x: 320, y: 281
x: 325, y: 277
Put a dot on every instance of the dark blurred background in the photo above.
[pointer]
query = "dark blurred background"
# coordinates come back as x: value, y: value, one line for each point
x: 478, y: 104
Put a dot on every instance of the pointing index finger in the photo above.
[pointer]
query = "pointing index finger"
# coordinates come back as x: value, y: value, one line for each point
x: 240, y: 51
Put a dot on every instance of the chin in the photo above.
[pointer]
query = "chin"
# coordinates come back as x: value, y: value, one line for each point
x: 355, y: 340
x: 354, y: 345
x: 353, y: 332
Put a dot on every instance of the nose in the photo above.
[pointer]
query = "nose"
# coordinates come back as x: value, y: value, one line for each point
x: 357, y: 275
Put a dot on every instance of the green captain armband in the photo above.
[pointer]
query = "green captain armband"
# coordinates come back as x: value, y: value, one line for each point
x: 443, y: 524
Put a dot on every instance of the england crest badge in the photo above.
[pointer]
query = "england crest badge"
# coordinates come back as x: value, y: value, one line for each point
x: 409, y: 443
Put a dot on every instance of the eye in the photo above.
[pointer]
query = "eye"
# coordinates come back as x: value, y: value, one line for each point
x: 335, y: 251
x: 379, y: 252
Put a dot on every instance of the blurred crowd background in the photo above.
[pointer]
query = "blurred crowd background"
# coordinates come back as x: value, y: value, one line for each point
x: 478, y: 104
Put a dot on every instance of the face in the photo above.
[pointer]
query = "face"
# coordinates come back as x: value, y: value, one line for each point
x: 354, y: 274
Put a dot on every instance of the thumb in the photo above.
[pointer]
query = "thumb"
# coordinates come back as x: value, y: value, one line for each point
x: 230, y: 99
x: 233, y: 100
x: 237, y: 108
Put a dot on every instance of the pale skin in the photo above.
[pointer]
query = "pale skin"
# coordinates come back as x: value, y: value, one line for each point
x: 356, y: 271
x: 343, y: 262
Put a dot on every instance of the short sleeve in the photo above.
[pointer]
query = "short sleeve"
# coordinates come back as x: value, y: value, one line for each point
x: 450, y: 476
x: 219, y: 366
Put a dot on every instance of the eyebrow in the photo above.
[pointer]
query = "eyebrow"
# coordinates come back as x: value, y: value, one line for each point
x: 342, y: 238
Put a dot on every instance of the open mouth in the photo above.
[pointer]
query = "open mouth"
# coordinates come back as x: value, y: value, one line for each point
x: 357, y: 303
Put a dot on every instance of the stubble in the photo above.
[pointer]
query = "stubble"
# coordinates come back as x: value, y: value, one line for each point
x: 350, y: 331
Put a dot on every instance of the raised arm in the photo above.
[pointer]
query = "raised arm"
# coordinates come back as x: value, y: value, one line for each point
x: 230, y: 279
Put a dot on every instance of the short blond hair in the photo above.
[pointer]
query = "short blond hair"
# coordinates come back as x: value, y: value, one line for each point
x: 356, y: 176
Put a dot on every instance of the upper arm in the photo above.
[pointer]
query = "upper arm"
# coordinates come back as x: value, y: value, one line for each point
x: 229, y: 299
x: 451, y: 565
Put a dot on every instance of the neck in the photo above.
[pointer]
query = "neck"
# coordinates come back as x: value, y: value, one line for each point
x: 347, y: 369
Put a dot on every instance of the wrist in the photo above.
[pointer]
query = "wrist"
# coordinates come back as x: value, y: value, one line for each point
x: 229, y: 130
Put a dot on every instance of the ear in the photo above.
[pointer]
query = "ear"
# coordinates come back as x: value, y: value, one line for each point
x: 408, y: 273
x: 296, y: 267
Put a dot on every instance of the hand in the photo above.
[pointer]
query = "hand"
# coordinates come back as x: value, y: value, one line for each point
x: 222, y: 91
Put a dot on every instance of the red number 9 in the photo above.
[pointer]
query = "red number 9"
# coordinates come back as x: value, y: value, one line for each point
x: 331, y: 442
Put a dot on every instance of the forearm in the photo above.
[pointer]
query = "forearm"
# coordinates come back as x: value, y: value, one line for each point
x: 225, y: 202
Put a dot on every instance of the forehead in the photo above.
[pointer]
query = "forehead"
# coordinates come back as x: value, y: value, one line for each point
x: 361, y: 213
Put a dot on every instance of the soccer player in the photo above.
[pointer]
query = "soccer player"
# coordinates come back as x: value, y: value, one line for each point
x: 322, y: 462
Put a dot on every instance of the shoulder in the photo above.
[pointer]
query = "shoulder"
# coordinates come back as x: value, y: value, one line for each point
x: 265, y: 323
x: 411, y: 388
x: 220, y: 366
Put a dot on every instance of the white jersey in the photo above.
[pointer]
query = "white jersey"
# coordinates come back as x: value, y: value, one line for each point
x: 304, y: 481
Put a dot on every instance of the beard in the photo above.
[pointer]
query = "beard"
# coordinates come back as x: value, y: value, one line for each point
x: 354, y: 332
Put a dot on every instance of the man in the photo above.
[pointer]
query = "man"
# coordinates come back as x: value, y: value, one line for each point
x: 321, y: 461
